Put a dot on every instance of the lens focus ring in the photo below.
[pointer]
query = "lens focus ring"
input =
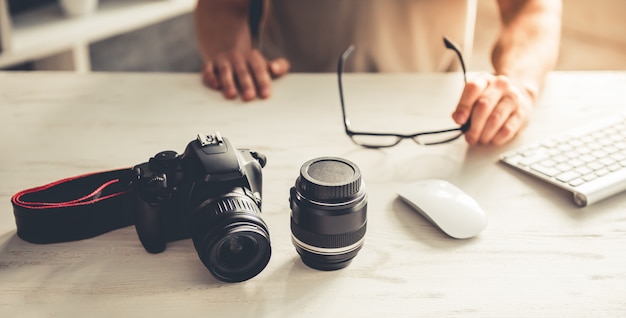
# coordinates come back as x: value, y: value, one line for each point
x: 327, y: 240
x: 235, y: 204
x: 237, y: 200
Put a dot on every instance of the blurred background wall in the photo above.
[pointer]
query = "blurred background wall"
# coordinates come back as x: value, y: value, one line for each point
x: 594, y: 38
x: 593, y: 35
x: 169, y: 46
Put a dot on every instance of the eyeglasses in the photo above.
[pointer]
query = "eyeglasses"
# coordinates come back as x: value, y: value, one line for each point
x: 383, y: 140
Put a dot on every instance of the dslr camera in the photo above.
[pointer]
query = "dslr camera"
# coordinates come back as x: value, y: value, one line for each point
x: 211, y: 194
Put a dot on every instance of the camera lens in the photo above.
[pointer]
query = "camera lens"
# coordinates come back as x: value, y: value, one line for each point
x: 230, y: 237
x: 328, y: 213
x: 237, y: 250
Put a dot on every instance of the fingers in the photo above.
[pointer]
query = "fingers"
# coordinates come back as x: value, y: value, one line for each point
x: 225, y: 76
x: 498, y: 112
x: 279, y: 67
x: 482, y: 112
x: 471, y: 93
x: 249, y: 76
x: 509, y: 129
x: 243, y: 78
x: 259, y: 68
x: 208, y: 76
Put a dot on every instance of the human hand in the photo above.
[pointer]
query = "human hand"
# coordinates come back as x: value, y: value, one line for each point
x: 498, y: 107
x: 247, y: 74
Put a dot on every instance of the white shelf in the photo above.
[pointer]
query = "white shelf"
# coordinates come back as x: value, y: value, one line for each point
x: 46, y: 31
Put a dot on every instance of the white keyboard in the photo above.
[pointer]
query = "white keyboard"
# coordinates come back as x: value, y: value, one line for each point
x: 590, y: 161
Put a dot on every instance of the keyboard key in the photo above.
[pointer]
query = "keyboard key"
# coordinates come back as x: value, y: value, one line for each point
x: 576, y: 182
x: 621, y: 145
x: 590, y: 176
x: 605, y: 141
x: 606, y: 161
x: 576, y: 162
x: 582, y: 170
x: 529, y: 159
x: 610, y: 149
x: 549, y: 171
x: 564, y: 147
x: 594, y: 145
x: 561, y: 158
x: 567, y: 176
x: 564, y: 166
x: 587, y: 158
x: 583, y: 149
x: 595, y: 165
x: 602, y: 172
x: 599, y: 153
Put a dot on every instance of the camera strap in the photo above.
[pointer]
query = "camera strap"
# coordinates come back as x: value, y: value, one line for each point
x: 75, y: 208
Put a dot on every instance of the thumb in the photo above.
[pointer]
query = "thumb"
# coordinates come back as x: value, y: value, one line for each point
x: 278, y: 67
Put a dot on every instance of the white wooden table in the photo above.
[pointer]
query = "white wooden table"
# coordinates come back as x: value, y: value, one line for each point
x: 539, y: 255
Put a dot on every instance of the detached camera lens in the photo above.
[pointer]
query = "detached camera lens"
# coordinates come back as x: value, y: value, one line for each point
x: 328, y: 213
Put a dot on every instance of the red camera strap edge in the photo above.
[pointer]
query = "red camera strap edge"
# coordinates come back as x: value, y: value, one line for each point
x: 17, y: 198
x: 75, y: 208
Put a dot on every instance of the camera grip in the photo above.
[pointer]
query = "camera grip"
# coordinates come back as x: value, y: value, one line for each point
x: 148, y: 223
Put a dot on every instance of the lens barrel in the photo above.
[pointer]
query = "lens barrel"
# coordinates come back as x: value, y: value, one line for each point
x: 230, y: 237
x: 328, y: 212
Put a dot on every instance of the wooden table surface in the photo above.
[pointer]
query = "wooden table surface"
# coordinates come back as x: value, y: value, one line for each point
x: 540, y: 255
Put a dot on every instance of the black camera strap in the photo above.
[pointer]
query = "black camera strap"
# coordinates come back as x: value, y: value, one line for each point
x: 75, y: 208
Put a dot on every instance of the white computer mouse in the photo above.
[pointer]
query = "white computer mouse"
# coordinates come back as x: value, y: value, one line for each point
x: 445, y: 205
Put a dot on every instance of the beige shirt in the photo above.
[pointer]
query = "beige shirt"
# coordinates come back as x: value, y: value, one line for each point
x: 389, y: 35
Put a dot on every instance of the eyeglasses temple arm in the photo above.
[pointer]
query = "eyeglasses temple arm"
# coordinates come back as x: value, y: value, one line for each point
x: 342, y: 60
x: 465, y: 127
x: 456, y: 50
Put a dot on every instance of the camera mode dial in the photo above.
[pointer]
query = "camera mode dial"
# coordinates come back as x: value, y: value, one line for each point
x: 164, y: 161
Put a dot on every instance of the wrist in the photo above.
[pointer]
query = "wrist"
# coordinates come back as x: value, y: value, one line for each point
x: 529, y: 88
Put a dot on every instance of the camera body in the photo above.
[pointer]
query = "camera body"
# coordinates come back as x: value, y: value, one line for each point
x: 211, y: 194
